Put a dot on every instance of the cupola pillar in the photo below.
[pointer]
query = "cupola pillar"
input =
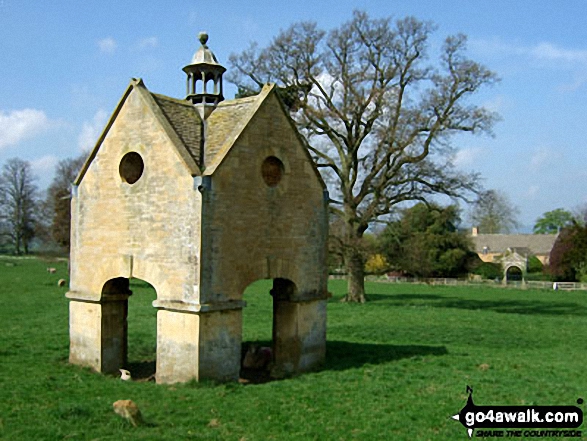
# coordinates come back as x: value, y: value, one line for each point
x: 204, y: 79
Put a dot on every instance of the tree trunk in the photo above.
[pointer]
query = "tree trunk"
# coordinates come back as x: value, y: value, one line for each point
x: 356, y: 276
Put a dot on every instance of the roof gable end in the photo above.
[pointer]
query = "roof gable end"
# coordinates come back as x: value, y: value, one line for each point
x: 228, y: 122
x: 184, y: 140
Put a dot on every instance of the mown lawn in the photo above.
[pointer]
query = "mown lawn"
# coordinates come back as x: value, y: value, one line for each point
x: 397, y: 367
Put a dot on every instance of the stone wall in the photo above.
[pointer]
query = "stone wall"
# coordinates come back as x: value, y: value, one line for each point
x: 252, y: 230
x: 148, y: 230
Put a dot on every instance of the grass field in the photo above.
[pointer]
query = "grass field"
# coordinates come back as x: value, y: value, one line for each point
x: 397, y: 367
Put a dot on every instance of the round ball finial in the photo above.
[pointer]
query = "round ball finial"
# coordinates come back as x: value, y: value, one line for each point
x: 203, y: 37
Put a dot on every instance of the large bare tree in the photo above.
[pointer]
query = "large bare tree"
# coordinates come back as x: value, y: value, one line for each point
x: 377, y: 116
x: 18, y: 204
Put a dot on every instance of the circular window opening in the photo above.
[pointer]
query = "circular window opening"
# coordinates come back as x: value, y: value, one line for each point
x: 131, y: 167
x: 272, y: 171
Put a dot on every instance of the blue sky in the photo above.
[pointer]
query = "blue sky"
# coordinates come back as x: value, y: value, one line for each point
x: 65, y: 64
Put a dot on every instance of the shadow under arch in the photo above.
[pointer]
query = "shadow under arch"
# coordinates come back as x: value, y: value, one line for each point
x: 514, y: 273
x: 115, y: 296
x: 267, y: 348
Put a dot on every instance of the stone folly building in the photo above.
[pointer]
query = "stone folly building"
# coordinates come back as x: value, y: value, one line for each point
x: 198, y: 197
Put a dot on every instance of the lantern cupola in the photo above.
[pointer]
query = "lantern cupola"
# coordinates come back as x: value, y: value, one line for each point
x: 204, y: 78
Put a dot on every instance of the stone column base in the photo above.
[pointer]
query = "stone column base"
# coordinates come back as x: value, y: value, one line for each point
x: 299, y: 336
x: 198, y: 345
x: 98, y: 332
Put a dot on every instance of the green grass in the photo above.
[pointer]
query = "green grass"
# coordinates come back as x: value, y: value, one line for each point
x: 396, y: 368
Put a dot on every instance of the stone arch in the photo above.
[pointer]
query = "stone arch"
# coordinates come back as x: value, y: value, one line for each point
x: 513, y: 272
x: 270, y: 268
x: 114, y: 323
x: 298, y: 330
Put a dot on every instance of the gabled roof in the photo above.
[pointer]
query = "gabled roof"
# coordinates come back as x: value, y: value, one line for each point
x: 186, y: 122
x: 499, y: 243
x: 183, y: 125
x: 231, y: 117
x: 180, y: 132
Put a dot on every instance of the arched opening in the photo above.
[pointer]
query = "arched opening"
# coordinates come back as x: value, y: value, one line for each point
x: 142, y: 330
x: 129, y: 344
x: 266, y: 323
x: 514, y: 274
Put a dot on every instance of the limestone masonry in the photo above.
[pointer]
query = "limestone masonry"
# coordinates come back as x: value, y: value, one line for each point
x: 199, y: 197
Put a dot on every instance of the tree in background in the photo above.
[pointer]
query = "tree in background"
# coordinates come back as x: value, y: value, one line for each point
x: 580, y: 214
x: 425, y: 242
x: 534, y: 265
x: 58, y: 200
x: 553, y: 221
x: 493, y: 213
x: 18, y: 205
x: 377, y: 117
x: 568, y: 258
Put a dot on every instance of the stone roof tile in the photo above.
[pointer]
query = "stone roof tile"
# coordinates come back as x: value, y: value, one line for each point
x: 226, y: 122
x: 499, y: 243
x: 186, y: 122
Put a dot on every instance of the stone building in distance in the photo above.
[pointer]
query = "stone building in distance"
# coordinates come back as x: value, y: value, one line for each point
x: 491, y: 246
x: 512, y: 251
x: 199, y: 197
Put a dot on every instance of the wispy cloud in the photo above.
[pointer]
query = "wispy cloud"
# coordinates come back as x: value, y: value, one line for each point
x: 541, y: 55
x: 467, y: 157
x: 497, y: 104
x: 543, y: 51
x: 91, y: 130
x: 44, y: 165
x: 21, y: 124
x: 147, y: 43
x: 551, y: 52
x: 107, y: 45
x: 543, y: 157
x: 532, y: 191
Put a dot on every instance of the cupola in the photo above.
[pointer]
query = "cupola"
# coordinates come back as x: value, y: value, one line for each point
x: 204, y: 78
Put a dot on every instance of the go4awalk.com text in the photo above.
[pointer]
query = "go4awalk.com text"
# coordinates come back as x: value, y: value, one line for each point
x: 520, y: 421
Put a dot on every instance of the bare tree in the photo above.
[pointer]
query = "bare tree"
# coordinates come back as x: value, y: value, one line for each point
x: 377, y: 117
x: 18, y: 204
x: 493, y: 213
x: 58, y: 200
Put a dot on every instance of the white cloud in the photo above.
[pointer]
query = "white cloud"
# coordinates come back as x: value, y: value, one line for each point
x: 44, y: 165
x: 149, y: 42
x: 497, y: 104
x: 538, y: 56
x: 467, y: 157
x: 91, y: 130
x: 542, y: 157
x: 496, y: 46
x: 543, y: 51
x: 107, y: 45
x: 21, y: 124
x: 551, y: 52
x: 532, y: 191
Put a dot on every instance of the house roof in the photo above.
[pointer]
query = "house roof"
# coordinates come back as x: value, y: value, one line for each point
x: 182, y: 123
x: 499, y: 243
x: 186, y: 122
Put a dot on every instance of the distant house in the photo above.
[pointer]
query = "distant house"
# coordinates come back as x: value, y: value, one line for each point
x: 492, y: 246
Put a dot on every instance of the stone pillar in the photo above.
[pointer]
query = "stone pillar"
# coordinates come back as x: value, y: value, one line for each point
x: 98, y: 332
x: 299, y: 335
x: 196, y: 342
x: 114, y: 333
